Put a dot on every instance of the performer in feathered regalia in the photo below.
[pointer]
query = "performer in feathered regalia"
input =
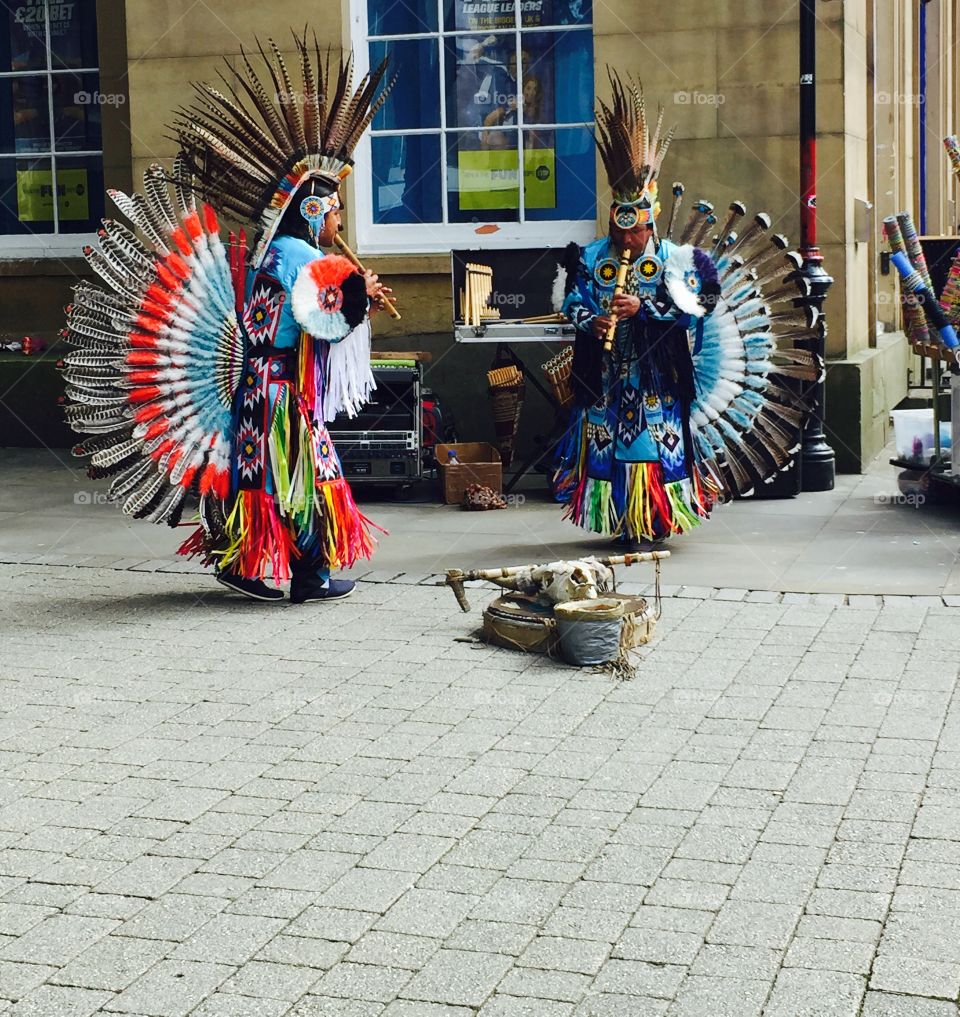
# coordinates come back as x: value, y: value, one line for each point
x: 676, y: 359
x: 197, y: 376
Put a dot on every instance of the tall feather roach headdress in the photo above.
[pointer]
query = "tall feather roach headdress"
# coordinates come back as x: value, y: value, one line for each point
x: 250, y: 146
x: 631, y: 156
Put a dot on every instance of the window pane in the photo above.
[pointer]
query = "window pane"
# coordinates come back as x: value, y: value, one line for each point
x: 415, y: 99
x: 26, y: 196
x: 568, y: 12
x: 557, y: 77
x: 559, y: 174
x: 482, y: 176
x: 22, y: 35
x: 24, y: 114
x: 79, y: 193
x: 497, y: 15
x: 406, y: 178
x: 401, y: 17
x: 481, y: 81
x: 480, y: 15
x: 76, y: 112
x: 73, y: 34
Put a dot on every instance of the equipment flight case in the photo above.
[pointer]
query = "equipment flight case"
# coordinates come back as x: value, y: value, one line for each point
x: 383, y: 444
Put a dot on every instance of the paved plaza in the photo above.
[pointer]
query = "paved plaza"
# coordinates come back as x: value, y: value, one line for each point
x: 214, y: 808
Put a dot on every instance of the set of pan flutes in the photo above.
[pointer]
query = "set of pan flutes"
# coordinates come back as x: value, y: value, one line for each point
x: 474, y: 298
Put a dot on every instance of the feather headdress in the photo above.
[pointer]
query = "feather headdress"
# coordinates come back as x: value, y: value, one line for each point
x: 253, y: 142
x: 631, y: 156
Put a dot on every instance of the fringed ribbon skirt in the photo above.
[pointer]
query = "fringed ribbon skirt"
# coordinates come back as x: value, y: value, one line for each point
x: 634, y: 500
x: 300, y: 506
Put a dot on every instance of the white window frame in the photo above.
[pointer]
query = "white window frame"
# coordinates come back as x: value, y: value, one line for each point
x: 23, y: 246
x: 440, y: 238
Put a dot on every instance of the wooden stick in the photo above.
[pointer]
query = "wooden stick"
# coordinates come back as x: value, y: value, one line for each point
x: 342, y: 244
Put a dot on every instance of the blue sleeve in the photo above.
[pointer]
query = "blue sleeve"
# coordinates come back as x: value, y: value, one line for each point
x: 580, y: 305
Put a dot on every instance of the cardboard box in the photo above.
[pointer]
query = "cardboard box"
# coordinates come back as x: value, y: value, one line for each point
x: 479, y: 464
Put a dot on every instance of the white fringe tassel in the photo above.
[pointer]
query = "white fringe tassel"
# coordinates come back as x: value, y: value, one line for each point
x: 350, y: 381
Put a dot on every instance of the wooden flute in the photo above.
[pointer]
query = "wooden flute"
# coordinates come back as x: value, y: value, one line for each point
x: 617, y: 291
x: 347, y: 253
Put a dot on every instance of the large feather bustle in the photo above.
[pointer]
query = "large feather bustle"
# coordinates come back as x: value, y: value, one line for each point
x: 631, y: 157
x: 148, y: 382
x: 754, y: 365
x: 247, y: 146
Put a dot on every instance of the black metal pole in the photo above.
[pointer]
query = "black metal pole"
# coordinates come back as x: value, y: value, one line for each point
x: 818, y: 462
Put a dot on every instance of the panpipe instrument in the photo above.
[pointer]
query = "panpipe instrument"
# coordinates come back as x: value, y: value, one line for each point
x: 502, y: 377
x: 617, y: 291
x: 559, y: 370
x: 388, y: 304
x: 474, y: 297
x: 507, y: 390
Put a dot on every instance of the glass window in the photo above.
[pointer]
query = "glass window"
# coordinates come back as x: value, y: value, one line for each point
x: 50, y: 107
x: 499, y: 94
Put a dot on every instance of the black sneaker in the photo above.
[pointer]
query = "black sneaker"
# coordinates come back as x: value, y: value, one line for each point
x: 255, y: 589
x: 336, y: 589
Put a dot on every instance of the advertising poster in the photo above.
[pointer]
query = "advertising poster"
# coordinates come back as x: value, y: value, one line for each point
x: 488, y: 179
x: 35, y: 195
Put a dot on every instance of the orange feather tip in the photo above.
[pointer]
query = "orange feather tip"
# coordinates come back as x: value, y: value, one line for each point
x: 210, y: 222
x: 167, y: 277
x: 156, y: 429
x: 183, y: 244
x: 147, y: 413
x: 192, y: 224
x: 186, y: 481
x: 141, y: 341
x: 142, y: 358
x: 145, y: 395
x: 178, y: 266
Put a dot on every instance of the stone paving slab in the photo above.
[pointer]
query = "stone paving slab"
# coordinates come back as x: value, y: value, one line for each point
x: 210, y: 808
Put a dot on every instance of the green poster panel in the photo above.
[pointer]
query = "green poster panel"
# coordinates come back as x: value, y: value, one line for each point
x: 35, y: 195
x: 487, y: 178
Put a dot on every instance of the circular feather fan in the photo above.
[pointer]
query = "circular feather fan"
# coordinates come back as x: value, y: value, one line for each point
x: 159, y: 352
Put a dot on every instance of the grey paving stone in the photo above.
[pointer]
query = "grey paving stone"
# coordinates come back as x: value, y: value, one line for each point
x: 541, y: 983
x: 638, y: 978
x: 113, y: 963
x: 610, y: 1004
x: 59, y: 1001
x: 458, y: 977
x: 522, y: 1006
x: 800, y: 993
x: 882, y: 1004
x: 367, y: 889
x: 391, y: 949
x: 17, y: 979
x: 174, y: 917
x: 266, y: 979
x: 719, y: 997
x: 171, y: 989
x: 916, y: 976
x: 491, y: 937
x: 228, y: 1004
x: 363, y: 981
x: 229, y: 939
x: 552, y: 953
x: 57, y: 939
x: 743, y: 923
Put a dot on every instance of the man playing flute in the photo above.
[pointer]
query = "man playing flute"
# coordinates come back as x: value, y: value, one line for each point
x: 627, y: 467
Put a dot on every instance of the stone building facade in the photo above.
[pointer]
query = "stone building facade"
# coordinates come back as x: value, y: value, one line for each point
x: 726, y: 73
